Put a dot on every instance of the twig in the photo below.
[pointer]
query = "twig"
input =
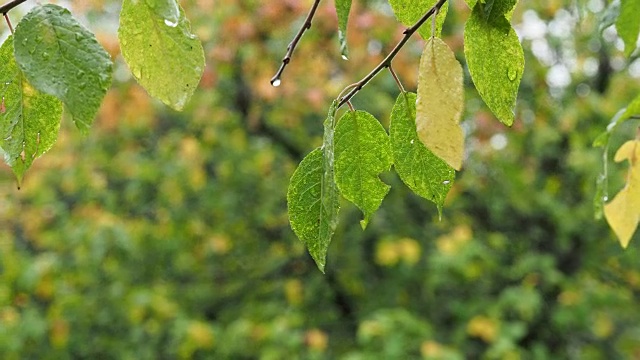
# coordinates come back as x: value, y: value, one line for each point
x: 275, y: 80
x: 387, y: 60
x: 4, y: 9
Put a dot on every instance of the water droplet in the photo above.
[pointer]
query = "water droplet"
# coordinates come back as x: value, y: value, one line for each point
x: 32, y: 51
x: 79, y: 37
x: 512, y: 73
x: 137, y: 72
x: 45, y: 55
x: 276, y: 82
x: 605, y: 198
x: 80, y: 73
x: 345, y: 57
x: 446, y: 182
x: 38, y: 38
x: 439, y: 206
x: 170, y: 23
x: 411, y: 142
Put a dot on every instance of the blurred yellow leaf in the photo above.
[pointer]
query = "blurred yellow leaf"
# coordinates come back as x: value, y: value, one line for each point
x: 440, y: 103
x: 623, y: 212
x: 316, y: 339
x: 483, y: 327
x: 201, y: 334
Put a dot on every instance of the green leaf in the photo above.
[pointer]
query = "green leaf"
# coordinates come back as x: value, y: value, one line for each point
x: 29, y: 120
x: 628, y: 24
x: 362, y: 152
x: 313, y: 206
x: 494, y: 56
x: 62, y: 58
x: 424, y: 173
x: 440, y: 103
x: 313, y: 199
x: 342, y: 8
x: 408, y: 12
x: 165, y: 57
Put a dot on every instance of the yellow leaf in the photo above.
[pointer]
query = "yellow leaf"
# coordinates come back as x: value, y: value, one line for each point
x: 623, y: 212
x: 440, y: 103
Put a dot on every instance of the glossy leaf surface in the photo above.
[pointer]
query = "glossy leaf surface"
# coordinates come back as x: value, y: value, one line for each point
x: 60, y: 57
x: 165, y: 57
x: 362, y: 152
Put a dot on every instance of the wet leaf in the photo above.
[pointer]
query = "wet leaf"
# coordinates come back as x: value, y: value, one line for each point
x: 342, y: 8
x: 628, y: 24
x: 60, y: 57
x: 408, y: 12
x: 362, y: 152
x: 623, y: 212
x: 313, y: 199
x: 440, y: 103
x: 494, y: 56
x: 424, y: 173
x: 165, y: 57
x: 29, y: 120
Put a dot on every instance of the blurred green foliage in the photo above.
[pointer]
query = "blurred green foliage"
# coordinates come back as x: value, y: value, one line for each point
x: 164, y: 235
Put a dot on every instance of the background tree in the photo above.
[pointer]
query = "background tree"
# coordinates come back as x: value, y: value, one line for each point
x: 165, y: 234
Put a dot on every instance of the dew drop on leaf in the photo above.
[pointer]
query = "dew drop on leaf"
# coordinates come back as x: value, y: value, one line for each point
x: 170, y: 23
x: 512, y: 74
x: 276, y: 82
x: 345, y: 57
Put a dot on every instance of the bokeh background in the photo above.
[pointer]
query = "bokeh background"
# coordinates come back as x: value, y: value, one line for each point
x: 164, y: 235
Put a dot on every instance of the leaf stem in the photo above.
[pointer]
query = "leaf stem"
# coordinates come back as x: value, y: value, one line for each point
x: 387, y: 60
x: 6, y: 17
x: 275, y: 80
x: 4, y: 9
x: 397, y: 79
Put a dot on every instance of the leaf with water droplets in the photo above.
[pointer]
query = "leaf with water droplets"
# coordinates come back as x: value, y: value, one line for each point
x: 440, y: 103
x: 62, y: 58
x: 312, y: 198
x: 494, y: 56
x: 628, y: 24
x: 623, y: 212
x: 362, y: 152
x: 424, y: 173
x: 342, y: 8
x: 165, y: 57
x: 29, y: 120
x: 408, y: 12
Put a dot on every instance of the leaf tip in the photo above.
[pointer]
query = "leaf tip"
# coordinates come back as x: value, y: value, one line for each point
x: 320, y: 265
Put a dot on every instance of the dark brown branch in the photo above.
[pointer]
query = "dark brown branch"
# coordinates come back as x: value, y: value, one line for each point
x: 4, y: 9
x: 275, y: 80
x: 387, y: 60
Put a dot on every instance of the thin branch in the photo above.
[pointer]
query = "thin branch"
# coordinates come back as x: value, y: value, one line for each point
x: 4, y: 9
x: 275, y: 80
x: 387, y: 60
